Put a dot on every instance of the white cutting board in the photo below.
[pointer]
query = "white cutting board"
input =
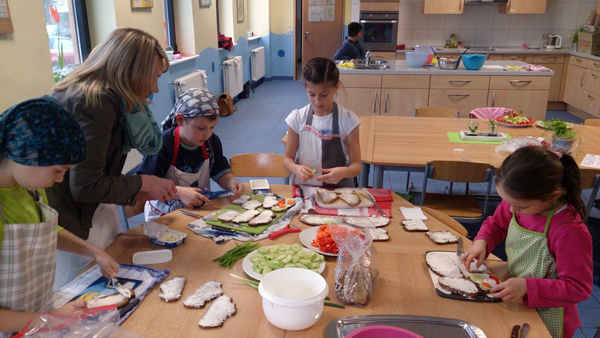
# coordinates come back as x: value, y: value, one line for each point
x: 365, y: 202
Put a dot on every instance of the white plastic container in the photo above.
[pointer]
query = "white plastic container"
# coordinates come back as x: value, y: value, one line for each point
x: 293, y: 297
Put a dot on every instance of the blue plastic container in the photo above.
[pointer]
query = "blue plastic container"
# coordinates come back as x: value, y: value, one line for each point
x: 416, y: 60
x: 170, y: 244
x: 473, y: 61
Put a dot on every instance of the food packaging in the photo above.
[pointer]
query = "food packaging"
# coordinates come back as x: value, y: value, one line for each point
x: 161, y: 235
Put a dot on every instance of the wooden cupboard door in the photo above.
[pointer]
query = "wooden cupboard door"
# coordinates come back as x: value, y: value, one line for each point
x: 549, y: 58
x: 402, y: 102
x: 362, y: 101
x: 520, y: 82
x: 443, y: 6
x: 527, y: 58
x: 360, y: 81
x: 555, y: 81
x: 405, y: 81
x: 579, y: 61
x: 593, y: 64
x: 525, y: 7
x: 400, y: 56
x: 383, y: 55
x: 532, y: 102
x: 460, y: 82
x: 462, y: 100
x: 590, y: 103
x: 494, y: 57
x: 592, y: 81
x: 574, y: 86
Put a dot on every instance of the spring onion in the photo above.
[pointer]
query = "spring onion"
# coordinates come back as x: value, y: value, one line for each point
x: 240, y: 251
x: 335, y: 305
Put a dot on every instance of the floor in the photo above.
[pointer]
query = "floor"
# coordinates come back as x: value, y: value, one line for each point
x: 259, y: 125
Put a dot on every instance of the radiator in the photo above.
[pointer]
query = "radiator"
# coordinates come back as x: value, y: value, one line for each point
x: 133, y: 159
x: 258, y: 63
x: 233, y: 76
x: 195, y: 79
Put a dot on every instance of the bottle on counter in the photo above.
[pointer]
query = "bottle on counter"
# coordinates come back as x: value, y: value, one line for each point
x: 460, y: 43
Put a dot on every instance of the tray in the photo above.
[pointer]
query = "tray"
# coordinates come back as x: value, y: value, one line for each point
x: 481, y: 297
x: 428, y: 327
x: 365, y: 202
x: 482, y: 136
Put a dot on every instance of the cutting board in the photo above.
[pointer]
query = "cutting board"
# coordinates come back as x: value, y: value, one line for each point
x: 244, y: 227
x: 365, y: 202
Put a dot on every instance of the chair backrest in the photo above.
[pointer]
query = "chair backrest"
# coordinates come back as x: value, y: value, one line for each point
x: 258, y: 165
x: 488, y: 113
x: 590, y: 179
x: 592, y: 122
x: 447, y: 220
x: 436, y: 112
x: 459, y: 171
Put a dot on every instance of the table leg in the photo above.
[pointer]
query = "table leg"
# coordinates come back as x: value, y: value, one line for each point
x: 364, y: 175
x: 378, y: 176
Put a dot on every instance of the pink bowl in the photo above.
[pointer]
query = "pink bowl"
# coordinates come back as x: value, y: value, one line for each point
x: 382, y: 331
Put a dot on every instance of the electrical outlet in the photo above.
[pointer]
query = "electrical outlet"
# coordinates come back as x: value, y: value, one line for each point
x: 288, y: 29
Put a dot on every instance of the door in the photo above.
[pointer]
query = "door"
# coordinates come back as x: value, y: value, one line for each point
x: 574, y: 86
x: 321, y: 38
x: 362, y: 101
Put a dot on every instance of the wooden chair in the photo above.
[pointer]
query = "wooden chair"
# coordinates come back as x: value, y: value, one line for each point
x: 259, y: 165
x: 592, y: 122
x: 463, y: 208
x: 590, y: 179
x: 447, y: 220
x: 436, y: 112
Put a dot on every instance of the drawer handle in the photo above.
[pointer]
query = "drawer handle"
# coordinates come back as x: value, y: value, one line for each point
x: 460, y: 95
x: 460, y: 81
x: 579, y: 60
x: 591, y: 97
x: 547, y: 57
x: 518, y: 57
x: 594, y: 76
x: 375, y: 103
x: 519, y: 81
x: 385, y: 103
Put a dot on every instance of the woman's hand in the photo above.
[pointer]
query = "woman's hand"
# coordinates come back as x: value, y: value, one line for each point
x: 71, y: 308
x: 477, y: 251
x: 191, y: 197
x: 108, y: 265
x: 303, y: 172
x: 511, y: 291
x: 155, y: 188
x: 237, y: 187
x: 333, y: 175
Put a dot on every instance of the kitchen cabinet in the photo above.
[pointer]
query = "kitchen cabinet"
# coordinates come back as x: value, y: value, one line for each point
x: 363, y: 101
x: 443, y: 6
x: 527, y: 58
x: 383, y: 55
x: 591, y: 81
x: 590, y: 103
x: 462, y: 100
x: 555, y: 81
x: 524, y: 7
x: 574, y: 86
x: 526, y: 93
x: 402, y: 94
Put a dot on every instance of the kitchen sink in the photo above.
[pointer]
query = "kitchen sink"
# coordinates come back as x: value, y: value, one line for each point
x: 376, y: 66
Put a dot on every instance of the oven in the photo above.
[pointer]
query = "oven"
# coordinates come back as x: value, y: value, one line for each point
x: 380, y: 31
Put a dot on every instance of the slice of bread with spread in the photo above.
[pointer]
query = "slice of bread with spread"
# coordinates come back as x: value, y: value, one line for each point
x: 242, y: 199
x: 459, y: 286
x: 364, y: 222
x: 113, y: 299
x: 320, y: 219
x: 218, y: 312
x: 252, y: 204
x: 205, y: 293
x: 264, y: 218
x: 442, y: 265
x: 442, y: 237
x: 351, y: 199
x: 227, y: 216
x: 269, y: 202
x: 327, y: 196
x: 415, y: 225
x: 171, y: 290
x: 246, y: 216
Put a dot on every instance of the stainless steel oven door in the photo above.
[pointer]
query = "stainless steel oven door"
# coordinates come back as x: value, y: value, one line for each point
x: 379, y: 35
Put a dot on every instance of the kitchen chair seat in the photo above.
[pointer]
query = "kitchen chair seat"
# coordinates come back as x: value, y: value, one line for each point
x: 592, y: 122
x: 259, y: 165
x: 447, y: 220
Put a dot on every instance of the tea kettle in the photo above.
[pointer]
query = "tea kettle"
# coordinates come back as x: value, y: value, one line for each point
x: 553, y: 41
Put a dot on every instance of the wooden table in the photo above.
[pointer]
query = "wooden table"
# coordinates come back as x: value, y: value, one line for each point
x: 403, y: 287
x: 408, y: 143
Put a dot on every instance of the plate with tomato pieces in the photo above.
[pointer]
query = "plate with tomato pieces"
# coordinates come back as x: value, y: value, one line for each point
x: 319, y: 239
x: 514, y: 119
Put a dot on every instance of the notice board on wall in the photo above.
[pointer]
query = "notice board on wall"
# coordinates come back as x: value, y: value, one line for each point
x: 5, y: 21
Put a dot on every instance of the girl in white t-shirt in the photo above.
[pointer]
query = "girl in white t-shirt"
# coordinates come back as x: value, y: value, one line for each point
x: 323, y: 145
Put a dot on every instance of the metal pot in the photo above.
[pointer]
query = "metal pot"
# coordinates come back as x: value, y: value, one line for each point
x: 448, y: 63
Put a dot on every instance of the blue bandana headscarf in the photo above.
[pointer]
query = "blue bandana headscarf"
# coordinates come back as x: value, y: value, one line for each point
x: 41, y: 132
x: 193, y: 102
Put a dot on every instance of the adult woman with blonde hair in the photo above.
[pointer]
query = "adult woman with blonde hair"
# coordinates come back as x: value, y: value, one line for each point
x: 108, y: 95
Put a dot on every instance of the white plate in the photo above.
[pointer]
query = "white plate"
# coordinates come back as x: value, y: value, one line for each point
x: 308, y: 235
x: 543, y: 126
x: 510, y: 125
x: 247, y: 266
x: 365, y: 202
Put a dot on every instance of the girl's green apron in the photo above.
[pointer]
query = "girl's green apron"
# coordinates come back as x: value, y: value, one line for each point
x: 529, y: 256
x: 27, y: 262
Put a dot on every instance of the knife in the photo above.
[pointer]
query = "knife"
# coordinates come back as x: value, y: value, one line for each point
x: 524, y: 330
x: 189, y: 213
x: 372, y: 199
x: 515, y: 331
x: 301, y: 193
x: 459, y: 249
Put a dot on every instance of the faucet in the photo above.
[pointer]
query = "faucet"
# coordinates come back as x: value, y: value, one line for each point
x: 368, y: 58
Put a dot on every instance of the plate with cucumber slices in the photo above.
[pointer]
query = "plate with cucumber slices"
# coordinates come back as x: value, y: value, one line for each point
x: 269, y: 258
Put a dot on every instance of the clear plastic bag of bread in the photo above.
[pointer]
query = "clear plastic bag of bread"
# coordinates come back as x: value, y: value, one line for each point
x: 101, y: 322
x: 355, y: 271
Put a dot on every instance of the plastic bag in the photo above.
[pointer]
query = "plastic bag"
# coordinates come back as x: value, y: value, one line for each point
x: 98, y: 322
x: 509, y: 146
x: 355, y: 271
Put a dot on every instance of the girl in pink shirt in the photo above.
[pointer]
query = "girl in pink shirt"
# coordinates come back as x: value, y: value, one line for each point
x: 548, y: 246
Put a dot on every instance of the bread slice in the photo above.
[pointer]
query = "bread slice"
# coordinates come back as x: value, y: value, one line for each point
x: 482, y: 269
x: 351, y: 199
x: 246, y: 216
x: 113, y: 299
x: 327, y: 196
x: 265, y: 217
x: 459, y: 286
x: 344, y: 190
x: 242, y: 199
x: 442, y: 265
x: 442, y: 237
x: 251, y: 204
x: 415, y: 225
x: 363, y: 222
x: 380, y: 235
x: 171, y: 290
x: 205, y: 293
x: 227, y: 216
x: 221, y: 309
x: 320, y: 219
x: 269, y: 202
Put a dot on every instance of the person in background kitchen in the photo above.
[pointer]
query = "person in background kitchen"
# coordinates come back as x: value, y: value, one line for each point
x: 191, y: 154
x: 323, y: 142
x: 108, y: 96
x: 39, y: 141
x: 548, y: 246
x: 351, y: 48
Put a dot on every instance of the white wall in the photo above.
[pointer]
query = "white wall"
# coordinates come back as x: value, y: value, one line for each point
x: 484, y: 25
x: 226, y: 18
x: 258, y: 16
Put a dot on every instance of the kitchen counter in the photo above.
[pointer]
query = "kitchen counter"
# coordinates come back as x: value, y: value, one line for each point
x: 400, y: 67
x: 497, y: 50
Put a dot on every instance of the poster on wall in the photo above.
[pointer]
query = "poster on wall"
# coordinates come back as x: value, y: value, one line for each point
x: 205, y: 3
x: 317, y: 2
x: 142, y: 3
x: 330, y: 13
x: 240, y: 11
x: 316, y: 13
x: 5, y: 21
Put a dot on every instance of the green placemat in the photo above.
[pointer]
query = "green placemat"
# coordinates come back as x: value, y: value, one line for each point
x: 244, y: 227
x: 455, y: 138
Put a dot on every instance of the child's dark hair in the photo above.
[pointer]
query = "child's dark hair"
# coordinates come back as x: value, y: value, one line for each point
x: 535, y: 173
x: 320, y: 70
x: 354, y: 28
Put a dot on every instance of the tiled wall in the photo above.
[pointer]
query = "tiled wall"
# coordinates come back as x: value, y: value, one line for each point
x: 484, y: 25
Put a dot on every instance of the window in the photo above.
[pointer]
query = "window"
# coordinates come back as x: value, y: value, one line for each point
x: 170, y: 24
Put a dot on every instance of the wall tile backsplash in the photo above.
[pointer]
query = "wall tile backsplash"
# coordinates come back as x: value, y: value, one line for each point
x: 484, y: 25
